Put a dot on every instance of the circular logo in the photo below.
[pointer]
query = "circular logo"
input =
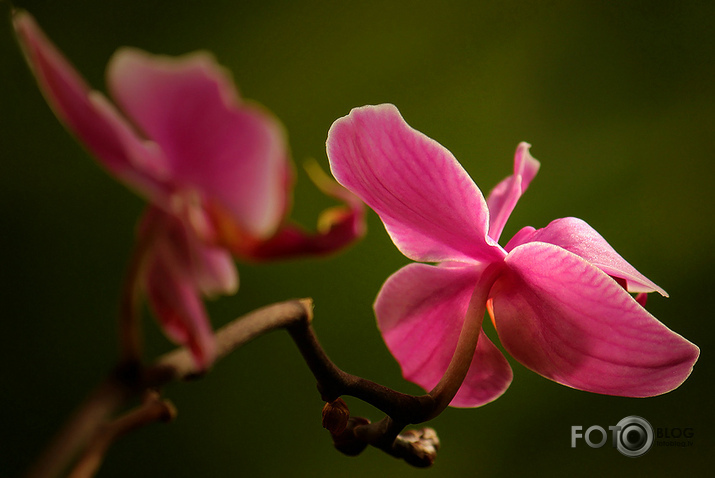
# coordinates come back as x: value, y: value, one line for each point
x: 634, y: 436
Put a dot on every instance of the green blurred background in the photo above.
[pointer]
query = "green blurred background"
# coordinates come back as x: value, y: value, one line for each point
x: 617, y: 100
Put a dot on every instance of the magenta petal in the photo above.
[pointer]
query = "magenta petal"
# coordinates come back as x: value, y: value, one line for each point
x: 215, y: 271
x: 503, y: 198
x: 523, y: 236
x: 430, y: 206
x: 572, y: 323
x: 578, y: 237
x: 210, y: 268
x: 338, y: 227
x: 88, y: 114
x: 175, y: 301
x: 292, y: 241
x: 420, y: 311
x: 488, y: 377
x: 180, y: 268
x: 231, y: 152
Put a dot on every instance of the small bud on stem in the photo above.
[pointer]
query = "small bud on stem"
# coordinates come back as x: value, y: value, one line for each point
x: 335, y: 416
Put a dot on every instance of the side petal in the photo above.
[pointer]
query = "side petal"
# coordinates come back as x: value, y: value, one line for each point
x: 232, y: 152
x: 420, y: 311
x: 570, y: 322
x: 503, y: 198
x: 430, y: 206
x: 88, y: 114
x: 576, y: 236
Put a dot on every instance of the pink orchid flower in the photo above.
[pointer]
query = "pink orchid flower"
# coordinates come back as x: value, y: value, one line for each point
x: 214, y: 168
x: 558, y: 296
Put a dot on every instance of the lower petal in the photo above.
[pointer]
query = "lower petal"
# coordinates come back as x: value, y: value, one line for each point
x: 489, y: 376
x: 569, y: 321
x: 177, y: 306
x: 420, y: 311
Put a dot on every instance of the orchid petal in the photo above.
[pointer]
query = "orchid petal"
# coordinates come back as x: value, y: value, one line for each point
x: 180, y: 268
x: 420, y: 311
x: 503, y: 198
x: 175, y: 301
x: 488, y: 377
x: 576, y: 236
x: 292, y: 241
x: 211, y: 268
x: 570, y: 322
x: 231, y: 152
x: 521, y: 237
x: 214, y: 271
x: 338, y: 226
x: 430, y: 206
x: 89, y: 115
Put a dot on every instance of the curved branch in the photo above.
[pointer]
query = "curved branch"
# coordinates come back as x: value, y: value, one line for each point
x: 334, y: 382
x: 130, y: 379
x: 153, y: 409
x: 179, y: 364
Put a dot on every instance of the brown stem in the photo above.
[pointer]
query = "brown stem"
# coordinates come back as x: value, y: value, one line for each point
x: 456, y: 372
x: 334, y: 382
x: 179, y: 364
x: 130, y: 337
x: 401, y: 409
x: 95, y: 410
x: 129, y: 379
x: 416, y: 447
x: 296, y: 317
x: 153, y: 409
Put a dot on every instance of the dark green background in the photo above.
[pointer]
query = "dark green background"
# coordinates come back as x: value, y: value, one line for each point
x: 617, y: 101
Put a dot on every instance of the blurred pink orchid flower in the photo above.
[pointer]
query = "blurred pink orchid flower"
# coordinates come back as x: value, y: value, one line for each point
x: 214, y: 168
x: 558, y: 296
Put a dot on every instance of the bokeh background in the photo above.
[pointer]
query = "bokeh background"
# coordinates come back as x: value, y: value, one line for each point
x: 617, y: 99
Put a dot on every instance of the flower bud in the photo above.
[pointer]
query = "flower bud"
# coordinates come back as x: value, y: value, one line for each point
x: 335, y: 416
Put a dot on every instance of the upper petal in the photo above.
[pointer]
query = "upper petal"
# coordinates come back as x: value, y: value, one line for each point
x: 420, y: 311
x: 569, y: 321
x: 232, y: 152
x: 576, y: 236
x: 88, y: 114
x: 503, y: 198
x: 430, y: 206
